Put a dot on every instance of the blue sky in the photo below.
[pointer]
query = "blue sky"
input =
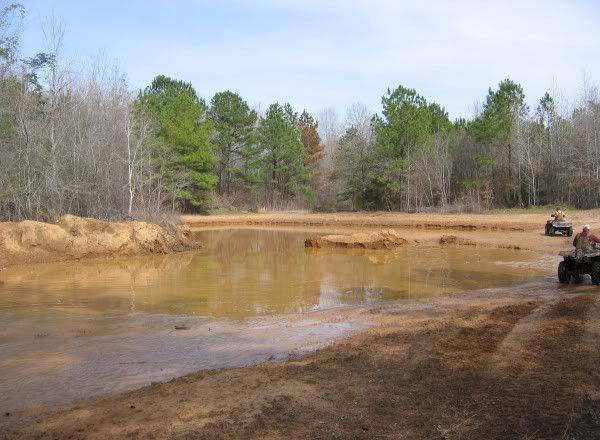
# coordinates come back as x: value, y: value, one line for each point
x: 317, y: 54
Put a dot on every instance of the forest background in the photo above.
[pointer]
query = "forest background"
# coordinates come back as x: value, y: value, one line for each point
x: 85, y: 143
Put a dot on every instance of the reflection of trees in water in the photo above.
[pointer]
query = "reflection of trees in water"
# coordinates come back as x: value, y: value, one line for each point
x: 357, y: 276
x: 96, y: 285
x: 470, y: 267
x: 255, y: 271
x: 353, y: 277
x: 238, y: 273
x: 237, y: 245
x: 246, y: 272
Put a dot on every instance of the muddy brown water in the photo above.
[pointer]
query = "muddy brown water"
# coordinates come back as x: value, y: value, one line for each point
x: 74, y: 330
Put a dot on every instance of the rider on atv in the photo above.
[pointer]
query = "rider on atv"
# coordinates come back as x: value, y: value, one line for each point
x: 585, y: 241
x: 559, y: 215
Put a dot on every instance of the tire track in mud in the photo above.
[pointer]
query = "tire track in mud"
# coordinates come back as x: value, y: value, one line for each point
x: 512, y: 350
x: 544, y: 375
x: 413, y: 382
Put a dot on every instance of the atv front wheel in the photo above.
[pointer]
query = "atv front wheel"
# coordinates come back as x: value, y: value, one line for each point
x: 564, y: 274
x: 595, y: 273
x: 570, y: 233
x: 551, y: 230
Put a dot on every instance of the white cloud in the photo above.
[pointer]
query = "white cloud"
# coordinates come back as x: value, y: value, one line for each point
x: 317, y: 53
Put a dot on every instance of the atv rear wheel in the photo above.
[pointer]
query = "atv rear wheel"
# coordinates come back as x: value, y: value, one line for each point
x: 564, y: 274
x: 595, y: 273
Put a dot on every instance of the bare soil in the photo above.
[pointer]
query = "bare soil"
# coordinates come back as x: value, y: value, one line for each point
x: 502, y: 363
x: 75, y: 238
x: 382, y: 240
x: 494, y: 221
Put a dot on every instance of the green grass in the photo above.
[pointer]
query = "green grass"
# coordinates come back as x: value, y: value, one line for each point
x: 549, y: 209
x: 226, y: 211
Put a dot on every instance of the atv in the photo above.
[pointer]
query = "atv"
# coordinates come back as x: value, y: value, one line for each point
x: 571, y: 266
x: 552, y: 227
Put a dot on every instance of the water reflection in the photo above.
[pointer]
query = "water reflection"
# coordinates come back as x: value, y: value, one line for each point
x: 244, y: 273
x: 78, y: 329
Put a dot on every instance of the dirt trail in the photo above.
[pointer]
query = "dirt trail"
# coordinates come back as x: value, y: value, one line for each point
x: 429, y: 369
x: 468, y: 222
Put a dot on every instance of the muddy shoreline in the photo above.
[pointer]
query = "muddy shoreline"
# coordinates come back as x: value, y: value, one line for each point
x: 518, y: 363
x: 499, y: 363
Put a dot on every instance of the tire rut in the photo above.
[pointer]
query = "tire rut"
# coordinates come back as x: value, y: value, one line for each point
x: 551, y: 389
x: 512, y: 349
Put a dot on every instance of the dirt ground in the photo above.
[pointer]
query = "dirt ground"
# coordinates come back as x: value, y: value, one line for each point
x: 493, y: 221
x: 501, y: 363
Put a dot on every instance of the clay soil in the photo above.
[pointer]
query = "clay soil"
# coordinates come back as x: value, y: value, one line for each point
x: 73, y: 238
x: 501, y: 363
x: 493, y: 221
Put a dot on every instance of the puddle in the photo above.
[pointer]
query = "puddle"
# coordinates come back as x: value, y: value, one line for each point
x: 114, y: 355
x: 82, y: 329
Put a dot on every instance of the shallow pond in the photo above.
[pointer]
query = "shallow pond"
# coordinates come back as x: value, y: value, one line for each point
x: 79, y: 329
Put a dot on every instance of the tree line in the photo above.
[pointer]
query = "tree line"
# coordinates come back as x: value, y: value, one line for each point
x: 85, y: 143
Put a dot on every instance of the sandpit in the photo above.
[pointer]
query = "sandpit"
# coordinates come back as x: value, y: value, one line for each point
x: 75, y: 238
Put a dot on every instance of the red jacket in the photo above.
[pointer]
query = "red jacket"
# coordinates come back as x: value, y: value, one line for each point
x: 589, y: 235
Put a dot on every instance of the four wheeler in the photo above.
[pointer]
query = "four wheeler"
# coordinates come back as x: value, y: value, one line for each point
x: 571, y: 266
x: 552, y: 227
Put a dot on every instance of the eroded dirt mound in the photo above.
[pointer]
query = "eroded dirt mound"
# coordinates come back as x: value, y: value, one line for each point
x: 453, y: 239
x: 461, y: 241
x: 385, y: 239
x: 75, y: 237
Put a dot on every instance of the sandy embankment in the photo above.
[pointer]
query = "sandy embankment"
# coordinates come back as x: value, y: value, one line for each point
x: 75, y: 237
x: 496, y: 221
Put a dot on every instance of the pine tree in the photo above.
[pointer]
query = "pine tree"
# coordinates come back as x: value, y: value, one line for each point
x: 234, y: 136
x: 182, y: 147
x: 283, y: 164
x: 313, y: 148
